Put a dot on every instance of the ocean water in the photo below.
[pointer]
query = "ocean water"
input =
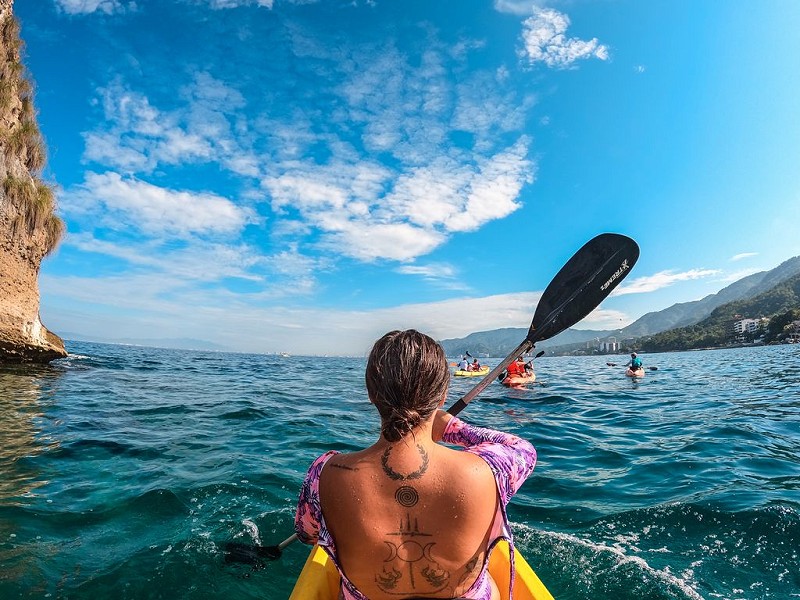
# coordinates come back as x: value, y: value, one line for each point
x: 123, y: 471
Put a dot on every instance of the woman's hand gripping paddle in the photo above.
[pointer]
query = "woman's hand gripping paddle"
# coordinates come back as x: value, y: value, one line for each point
x: 577, y: 289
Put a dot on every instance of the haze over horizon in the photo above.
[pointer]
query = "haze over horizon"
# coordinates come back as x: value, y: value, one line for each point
x: 286, y: 175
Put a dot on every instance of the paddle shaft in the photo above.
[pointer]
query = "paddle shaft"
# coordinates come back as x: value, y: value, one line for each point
x: 287, y: 541
x: 615, y: 364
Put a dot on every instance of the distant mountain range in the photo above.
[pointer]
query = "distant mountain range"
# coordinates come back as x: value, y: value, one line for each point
x: 176, y: 343
x: 500, y: 342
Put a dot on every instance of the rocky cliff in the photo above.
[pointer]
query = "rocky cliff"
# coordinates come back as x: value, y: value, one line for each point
x: 29, y: 228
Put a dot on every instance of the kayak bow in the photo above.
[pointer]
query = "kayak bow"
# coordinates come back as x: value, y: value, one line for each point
x: 319, y: 579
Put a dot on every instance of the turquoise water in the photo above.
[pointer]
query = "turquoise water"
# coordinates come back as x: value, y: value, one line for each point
x: 123, y: 470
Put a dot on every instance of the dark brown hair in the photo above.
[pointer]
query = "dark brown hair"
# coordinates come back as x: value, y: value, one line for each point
x: 407, y: 376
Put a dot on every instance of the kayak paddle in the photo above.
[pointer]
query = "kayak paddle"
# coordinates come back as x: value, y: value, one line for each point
x: 577, y: 289
x: 252, y: 555
x: 651, y: 368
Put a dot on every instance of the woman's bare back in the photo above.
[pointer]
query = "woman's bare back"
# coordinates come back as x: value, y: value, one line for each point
x: 409, y: 519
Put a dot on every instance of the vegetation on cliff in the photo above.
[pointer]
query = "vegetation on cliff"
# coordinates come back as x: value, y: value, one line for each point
x: 21, y: 142
x: 29, y: 227
x: 781, y: 304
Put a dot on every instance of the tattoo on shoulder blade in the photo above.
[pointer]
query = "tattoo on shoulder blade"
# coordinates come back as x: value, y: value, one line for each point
x: 399, y: 476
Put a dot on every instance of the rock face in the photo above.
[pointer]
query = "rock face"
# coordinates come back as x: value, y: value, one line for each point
x: 29, y: 228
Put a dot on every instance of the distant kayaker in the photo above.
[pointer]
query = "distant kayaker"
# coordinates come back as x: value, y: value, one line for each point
x: 475, y: 366
x: 635, y: 363
x: 463, y: 365
x: 408, y: 516
x: 517, y: 368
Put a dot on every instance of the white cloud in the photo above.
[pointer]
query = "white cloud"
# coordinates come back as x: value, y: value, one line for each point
x: 480, y: 109
x: 198, y: 261
x: 357, y: 218
x: 154, y: 210
x: 736, y: 275
x: 544, y: 41
x: 84, y: 7
x: 642, y: 285
x: 138, y: 137
x: 223, y: 4
x: 516, y: 7
x: 429, y: 271
x: 743, y: 255
x: 328, y: 182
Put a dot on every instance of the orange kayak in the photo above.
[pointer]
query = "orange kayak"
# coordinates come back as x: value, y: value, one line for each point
x: 518, y: 382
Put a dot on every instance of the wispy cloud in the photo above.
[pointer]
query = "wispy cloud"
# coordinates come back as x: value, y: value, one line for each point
x: 350, y: 206
x: 743, y: 255
x: 544, y: 40
x: 327, y: 181
x: 442, y: 275
x: 83, y: 7
x: 516, y: 7
x: 140, y: 137
x: 642, y: 285
x: 131, y: 203
x: 222, y: 4
x: 736, y: 275
x: 429, y: 271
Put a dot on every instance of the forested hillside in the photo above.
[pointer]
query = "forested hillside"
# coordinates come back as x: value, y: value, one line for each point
x: 781, y: 304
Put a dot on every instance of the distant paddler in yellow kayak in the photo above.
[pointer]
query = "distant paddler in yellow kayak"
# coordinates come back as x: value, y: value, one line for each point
x: 473, y: 369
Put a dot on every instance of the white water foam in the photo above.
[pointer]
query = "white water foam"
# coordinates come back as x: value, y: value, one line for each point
x: 616, y: 553
x: 252, y: 529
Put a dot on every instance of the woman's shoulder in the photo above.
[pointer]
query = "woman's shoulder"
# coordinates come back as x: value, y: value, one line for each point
x: 318, y: 463
x: 466, y: 464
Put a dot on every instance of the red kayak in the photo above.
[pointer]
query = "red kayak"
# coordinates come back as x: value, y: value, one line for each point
x: 518, y: 382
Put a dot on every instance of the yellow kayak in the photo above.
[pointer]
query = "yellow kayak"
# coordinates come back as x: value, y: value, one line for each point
x: 319, y: 579
x: 483, y: 371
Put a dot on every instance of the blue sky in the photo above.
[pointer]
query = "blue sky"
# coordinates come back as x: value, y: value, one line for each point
x: 300, y: 176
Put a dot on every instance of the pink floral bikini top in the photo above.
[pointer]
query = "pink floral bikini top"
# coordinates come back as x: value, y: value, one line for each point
x: 511, y: 460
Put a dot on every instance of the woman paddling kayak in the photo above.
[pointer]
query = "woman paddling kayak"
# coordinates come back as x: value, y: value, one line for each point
x: 409, y: 516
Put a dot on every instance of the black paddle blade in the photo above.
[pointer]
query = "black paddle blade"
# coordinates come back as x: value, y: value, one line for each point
x: 583, y: 283
x: 250, y: 554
